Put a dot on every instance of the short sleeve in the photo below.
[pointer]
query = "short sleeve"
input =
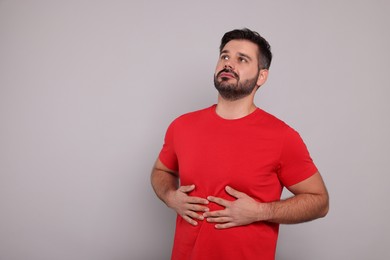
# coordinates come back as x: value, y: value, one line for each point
x: 167, y: 154
x: 296, y: 165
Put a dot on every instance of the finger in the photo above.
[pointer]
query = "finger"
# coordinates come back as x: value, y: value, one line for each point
x: 234, y: 193
x: 189, y: 220
x: 217, y: 213
x: 187, y: 188
x: 193, y: 215
x: 197, y: 200
x: 225, y: 225
x: 219, y: 201
x: 219, y: 220
x: 195, y: 207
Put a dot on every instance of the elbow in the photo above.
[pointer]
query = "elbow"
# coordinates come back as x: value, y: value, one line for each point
x: 325, y: 207
x: 324, y: 212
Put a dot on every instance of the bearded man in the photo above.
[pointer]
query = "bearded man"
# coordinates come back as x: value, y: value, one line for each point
x: 223, y: 168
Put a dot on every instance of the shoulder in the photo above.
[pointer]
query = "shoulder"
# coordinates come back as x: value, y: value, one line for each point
x: 273, y: 121
x: 194, y: 116
x: 278, y: 128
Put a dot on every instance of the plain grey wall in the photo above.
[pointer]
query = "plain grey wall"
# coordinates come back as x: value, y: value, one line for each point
x: 87, y: 89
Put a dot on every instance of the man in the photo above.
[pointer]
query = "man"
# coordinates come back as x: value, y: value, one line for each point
x: 223, y: 168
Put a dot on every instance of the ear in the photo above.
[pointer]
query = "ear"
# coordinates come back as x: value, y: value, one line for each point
x: 262, y: 78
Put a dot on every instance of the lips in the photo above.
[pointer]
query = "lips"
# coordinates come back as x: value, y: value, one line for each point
x: 226, y: 73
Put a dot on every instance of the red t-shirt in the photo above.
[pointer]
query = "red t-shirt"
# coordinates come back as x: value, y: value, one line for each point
x: 257, y: 154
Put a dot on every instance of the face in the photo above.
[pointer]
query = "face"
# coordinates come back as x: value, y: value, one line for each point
x: 237, y: 73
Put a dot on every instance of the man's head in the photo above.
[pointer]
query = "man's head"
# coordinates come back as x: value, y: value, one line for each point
x: 264, y: 49
x: 243, y: 64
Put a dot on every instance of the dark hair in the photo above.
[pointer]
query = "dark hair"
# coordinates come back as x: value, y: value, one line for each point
x: 265, y: 55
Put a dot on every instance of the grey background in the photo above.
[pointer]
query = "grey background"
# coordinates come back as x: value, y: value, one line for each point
x: 87, y: 89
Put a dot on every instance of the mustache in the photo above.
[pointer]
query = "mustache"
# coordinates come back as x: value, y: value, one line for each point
x: 228, y: 70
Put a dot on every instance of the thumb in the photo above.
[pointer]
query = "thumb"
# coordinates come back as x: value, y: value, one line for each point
x: 187, y: 188
x: 234, y: 193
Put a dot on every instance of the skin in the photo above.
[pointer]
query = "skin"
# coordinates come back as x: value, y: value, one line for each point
x: 310, y: 200
x: 165, y: 184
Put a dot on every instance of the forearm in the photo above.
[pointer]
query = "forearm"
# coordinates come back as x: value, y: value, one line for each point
x: 163, y: 182
x: 297, y: 209
x: 166, y: 186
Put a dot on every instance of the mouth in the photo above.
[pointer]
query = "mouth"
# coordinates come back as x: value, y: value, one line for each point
x: 227, y: 74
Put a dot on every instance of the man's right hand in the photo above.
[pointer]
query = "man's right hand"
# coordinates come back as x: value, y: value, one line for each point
x: 188, y: 207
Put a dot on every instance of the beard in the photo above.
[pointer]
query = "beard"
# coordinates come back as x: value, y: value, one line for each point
x: 234, y: 91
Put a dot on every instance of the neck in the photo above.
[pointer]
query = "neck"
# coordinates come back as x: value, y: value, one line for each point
x: 235, y: 109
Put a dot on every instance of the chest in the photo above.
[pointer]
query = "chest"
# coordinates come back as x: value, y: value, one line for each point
x: 246, y: 158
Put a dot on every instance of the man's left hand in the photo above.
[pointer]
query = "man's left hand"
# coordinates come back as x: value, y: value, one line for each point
x: 243, y: 211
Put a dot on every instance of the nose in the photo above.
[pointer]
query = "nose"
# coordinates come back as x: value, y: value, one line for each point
x: 228, y: 65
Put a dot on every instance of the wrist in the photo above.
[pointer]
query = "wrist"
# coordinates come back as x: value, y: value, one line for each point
x: 168, y: 198
x: 264, y: 212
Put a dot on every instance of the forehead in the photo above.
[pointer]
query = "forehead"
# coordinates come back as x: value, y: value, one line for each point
x: 242, y: 46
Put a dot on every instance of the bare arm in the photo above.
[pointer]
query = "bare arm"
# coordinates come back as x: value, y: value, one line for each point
x: 310, y: 201
x: 163, y: 180
x: 165, y: 183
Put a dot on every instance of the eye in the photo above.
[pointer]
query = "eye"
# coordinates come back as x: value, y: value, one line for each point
x: 224, y: 57
x: 242, y: 60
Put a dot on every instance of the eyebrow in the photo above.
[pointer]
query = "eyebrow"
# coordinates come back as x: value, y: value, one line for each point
x: 239, y: 54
